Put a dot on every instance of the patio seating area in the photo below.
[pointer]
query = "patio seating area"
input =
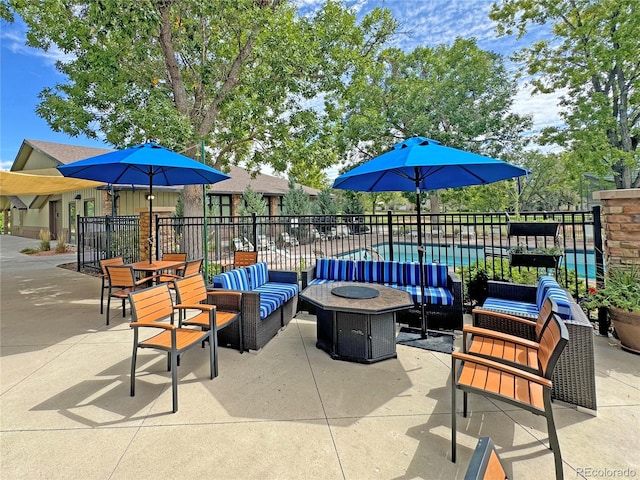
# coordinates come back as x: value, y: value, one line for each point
x: 287, y: 411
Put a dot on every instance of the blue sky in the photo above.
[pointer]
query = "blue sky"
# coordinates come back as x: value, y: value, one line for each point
x: 24, y: 71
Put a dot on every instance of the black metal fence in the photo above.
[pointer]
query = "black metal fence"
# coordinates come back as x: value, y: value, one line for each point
x: 106, y: 237
x: 461, y: 240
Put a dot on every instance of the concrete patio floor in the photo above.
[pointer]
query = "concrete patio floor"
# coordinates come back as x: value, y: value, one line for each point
x: 286, y: 412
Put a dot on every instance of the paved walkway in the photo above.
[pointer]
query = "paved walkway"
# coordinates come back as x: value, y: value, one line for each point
x: 286, y: 412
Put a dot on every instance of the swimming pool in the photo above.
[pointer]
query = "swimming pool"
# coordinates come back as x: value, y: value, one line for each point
x: 462, y: 255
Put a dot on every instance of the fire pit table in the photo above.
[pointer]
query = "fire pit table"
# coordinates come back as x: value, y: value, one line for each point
x: 356, y: 321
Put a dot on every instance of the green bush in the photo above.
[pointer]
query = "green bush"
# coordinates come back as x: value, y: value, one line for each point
x: 499, y: 269
x: 45, y: 240
x: 213, y: 269
x: 125, y: 245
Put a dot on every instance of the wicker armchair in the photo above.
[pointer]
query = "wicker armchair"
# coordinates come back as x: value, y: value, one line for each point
x: 574, y: 375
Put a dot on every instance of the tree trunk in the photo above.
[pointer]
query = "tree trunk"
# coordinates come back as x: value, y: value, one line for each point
x: 193, y: 207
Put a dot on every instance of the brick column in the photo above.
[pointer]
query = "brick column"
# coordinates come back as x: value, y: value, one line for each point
x: 621, y: 225
x: 144, y: 228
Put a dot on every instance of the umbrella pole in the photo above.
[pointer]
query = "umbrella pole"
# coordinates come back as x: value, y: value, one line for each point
x: 423, y: 319
x: 150, y: 239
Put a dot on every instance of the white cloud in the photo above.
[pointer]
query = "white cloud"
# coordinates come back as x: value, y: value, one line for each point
x: 544, y: 108
x: 14, y: 39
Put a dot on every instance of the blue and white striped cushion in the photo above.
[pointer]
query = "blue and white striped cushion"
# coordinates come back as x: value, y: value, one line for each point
x: 318, y: 281
x: 235, y: 279
x: 561, y: 298
x: 336, y: 269
x: 285, y: 290
x: 258, y: 274
x: 432, y: 295
x: 545, y: 282
x: 269, y: 303
x: 381, y: 272
x: 411, y: 274
x: 435, y: 274
x: 290, y: 288
x: 512, y: 307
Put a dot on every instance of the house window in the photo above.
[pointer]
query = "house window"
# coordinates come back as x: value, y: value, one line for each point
x: 72, y: 222
x: 220, y: 205
x: 280, y: 204
x: 90, y: 208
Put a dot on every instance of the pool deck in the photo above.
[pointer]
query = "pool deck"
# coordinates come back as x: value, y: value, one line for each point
x: 285, y: 412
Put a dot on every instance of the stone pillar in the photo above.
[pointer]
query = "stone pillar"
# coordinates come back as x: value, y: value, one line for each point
x: 106, y: 203
x: 621, y: 225
x: 144, y: 229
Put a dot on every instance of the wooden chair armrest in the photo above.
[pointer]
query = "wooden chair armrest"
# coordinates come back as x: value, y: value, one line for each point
x: 465, y: 357
x: 164, y: 326
x: 226, y: 292
x: 485, y: 332
x: 194, y: 306
x: 506, y: 316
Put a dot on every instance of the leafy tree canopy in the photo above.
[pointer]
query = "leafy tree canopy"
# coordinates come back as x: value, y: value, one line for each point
x: 458, y: 94
x: 245, y: 76
x: 593, y: 56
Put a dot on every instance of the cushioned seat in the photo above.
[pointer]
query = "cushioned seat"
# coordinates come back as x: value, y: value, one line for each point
x: 512, y: 307
x: 432, y: 295
x: 547, y: 287
x: 336, y: 269
x: 269, y: 301
x: 443, y: 289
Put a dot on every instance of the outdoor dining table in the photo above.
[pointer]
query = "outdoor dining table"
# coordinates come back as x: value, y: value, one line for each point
x: 155, y: 267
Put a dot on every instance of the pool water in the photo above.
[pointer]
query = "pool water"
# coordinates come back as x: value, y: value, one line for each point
x: 457, y: 255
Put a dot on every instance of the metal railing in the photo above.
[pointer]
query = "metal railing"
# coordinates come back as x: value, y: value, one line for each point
x: 107, y: 237
x: 291, y: 242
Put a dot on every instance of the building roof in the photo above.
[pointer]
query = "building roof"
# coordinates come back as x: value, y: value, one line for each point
x: 59, y: 152
x: 267, y: 185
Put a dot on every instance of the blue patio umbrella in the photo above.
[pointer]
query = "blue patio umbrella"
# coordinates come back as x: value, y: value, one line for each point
x: 420, y: 163
x: 146, y: 164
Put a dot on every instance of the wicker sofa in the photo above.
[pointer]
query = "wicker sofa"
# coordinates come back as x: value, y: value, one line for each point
x: 269, y: 302
x: 443, y: 289
x: 574, y: 375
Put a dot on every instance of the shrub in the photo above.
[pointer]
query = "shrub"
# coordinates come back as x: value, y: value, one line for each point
x: 479, y: 272
x: 61, y: 247
x: 45, y: 240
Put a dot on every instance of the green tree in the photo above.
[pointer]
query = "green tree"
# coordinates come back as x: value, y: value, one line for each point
x: 245, y: 76
x: 325, y: 203
x: 547, y: 187
x: 593, y: 54
x: 296, y: 201
x: 458, y: 94
x: 352, y: 204
x: 252, y: 202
